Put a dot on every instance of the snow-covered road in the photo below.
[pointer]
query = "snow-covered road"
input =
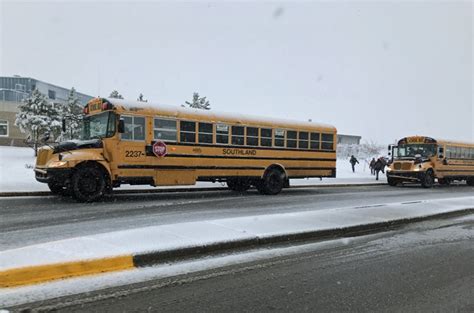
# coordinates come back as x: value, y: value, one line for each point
x: 32, y: 220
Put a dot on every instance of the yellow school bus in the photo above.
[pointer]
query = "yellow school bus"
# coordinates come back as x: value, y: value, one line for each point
x: 141, y: 143
x: 421, y: 159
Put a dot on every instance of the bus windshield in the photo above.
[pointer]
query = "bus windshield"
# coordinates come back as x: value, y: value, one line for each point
x: 411, y: 150
x: 98, y: 126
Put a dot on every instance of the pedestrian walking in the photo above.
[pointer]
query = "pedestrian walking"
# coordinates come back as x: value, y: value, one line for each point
x: 371, y: 166
x: 379, y: 167
x: 353, y: 162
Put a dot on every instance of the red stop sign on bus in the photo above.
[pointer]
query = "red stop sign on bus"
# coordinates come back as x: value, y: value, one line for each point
x: 159, y: 148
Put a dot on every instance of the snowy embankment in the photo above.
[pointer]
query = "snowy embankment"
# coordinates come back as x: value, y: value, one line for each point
x: 17, y: 163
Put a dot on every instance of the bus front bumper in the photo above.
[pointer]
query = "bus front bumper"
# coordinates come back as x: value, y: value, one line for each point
x: 48, y: 175
x: 406, y: 175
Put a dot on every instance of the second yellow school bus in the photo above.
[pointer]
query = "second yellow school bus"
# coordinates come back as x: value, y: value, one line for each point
x: 421, y: 159
x: 143, y: 143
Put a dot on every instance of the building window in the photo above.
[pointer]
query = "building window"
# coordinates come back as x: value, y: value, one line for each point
x: 222, y: 134
x: 205, y: 133
x: 52, y: 94
x: 252, y: 136
x: 3, y: 128
x: 238, y: 135
x: 327, y: 141
x: 164, y: 129
x: 279, y: 137
x: 291, y: 139
x: 134, y: 128
x: 187, y: 131
x: 266, y: 137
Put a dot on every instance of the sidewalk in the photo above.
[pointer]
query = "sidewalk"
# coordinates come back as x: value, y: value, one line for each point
x: 150, y: 245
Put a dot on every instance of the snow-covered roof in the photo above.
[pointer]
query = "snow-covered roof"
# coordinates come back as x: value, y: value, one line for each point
x: 214, y: 116
x: 444, y: 141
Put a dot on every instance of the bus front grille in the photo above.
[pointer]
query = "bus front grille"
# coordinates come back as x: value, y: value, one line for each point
x: 402, y: 166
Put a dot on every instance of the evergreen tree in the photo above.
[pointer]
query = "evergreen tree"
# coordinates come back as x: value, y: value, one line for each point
x: 115, y: 94
x: 37, y: 118
x: 199, y: 102
x: 71, y: 112
x: 141, y: 98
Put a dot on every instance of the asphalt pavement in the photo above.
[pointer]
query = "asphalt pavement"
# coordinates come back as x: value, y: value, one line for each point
x: 424, y: 267
x: 32, y: 220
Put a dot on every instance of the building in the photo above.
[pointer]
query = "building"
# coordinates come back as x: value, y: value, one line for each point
x: 12, y: 91
x: 348, y: 139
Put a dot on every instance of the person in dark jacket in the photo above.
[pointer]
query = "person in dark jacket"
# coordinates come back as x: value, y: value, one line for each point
x: 371, y: 166
x: 379, y: 166
x: 353, y: 162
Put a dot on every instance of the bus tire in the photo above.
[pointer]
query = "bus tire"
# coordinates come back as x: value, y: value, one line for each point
x: 88, y: 183
x: 238, y: 185
x: 427, y: 180
x: 470, y: 181
x: 272, y: 182
x: 392, y: 181
x: 58, y: 189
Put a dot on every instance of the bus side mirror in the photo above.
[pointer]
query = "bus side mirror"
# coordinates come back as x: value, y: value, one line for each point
x: 440, y: 153
x: 121, y: 126
x: 63, y: 125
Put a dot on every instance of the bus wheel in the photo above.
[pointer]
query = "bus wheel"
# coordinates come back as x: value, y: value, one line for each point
x: 88, y: 184
x: 272, y: 182
x: 444, y: 181
x: 392, y: 181
x: 238, y: 185
x: 428, y: 179
x: 470, y: 181
x: 58, y: 189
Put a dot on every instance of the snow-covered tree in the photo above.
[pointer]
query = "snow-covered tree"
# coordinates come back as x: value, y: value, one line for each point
x: 71, y: 112
x: 199, y: 102
x: 141, y: 98
x: 38, y: 117
x: 115, y: 94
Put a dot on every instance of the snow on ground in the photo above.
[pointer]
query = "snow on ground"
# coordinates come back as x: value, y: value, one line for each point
x: 17, y: 163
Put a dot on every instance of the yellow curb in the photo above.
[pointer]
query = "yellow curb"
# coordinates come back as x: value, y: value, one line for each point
x: 43, y: 273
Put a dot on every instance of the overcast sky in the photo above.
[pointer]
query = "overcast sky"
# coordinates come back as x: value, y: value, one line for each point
x: 379, y: 70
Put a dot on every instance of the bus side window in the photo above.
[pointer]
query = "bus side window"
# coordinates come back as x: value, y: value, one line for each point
x: 164, y: 129
x: 238, y: 135
x: 187, y: 131
x: 134, y: 128
x: 252, y: 136
x: 222, y: 134
x: 279, y: 137
x: 315, y: 139
x: 303, y: 140
x: 327, y: 141
x: 205, y: 133
x: 291, y: 139
x: 266, y: 137
x: 128, y: 128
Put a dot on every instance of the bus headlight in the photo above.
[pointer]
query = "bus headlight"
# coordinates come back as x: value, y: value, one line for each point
x: 57, y: 164
x: 389, y: 169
